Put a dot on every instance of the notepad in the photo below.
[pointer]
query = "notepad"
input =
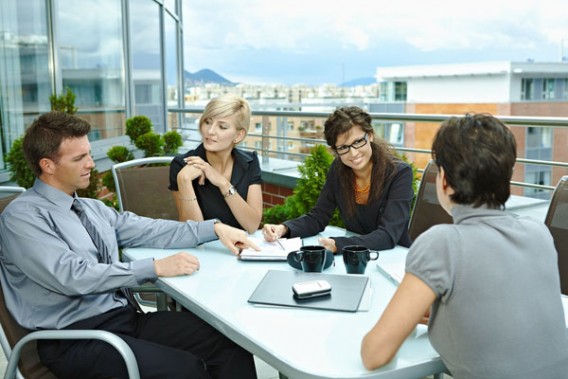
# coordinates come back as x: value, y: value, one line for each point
x: 393, y: 270
x: 275, y: 289
x: 271, y: 251
x: 565, y: 305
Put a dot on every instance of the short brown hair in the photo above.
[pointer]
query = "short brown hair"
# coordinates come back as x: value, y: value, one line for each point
x: 46, y: 133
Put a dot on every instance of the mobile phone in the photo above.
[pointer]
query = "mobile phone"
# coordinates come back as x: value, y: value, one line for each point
x: 312, y: 288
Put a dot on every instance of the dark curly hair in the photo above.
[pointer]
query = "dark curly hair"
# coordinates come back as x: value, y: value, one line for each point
x: 477, y: 153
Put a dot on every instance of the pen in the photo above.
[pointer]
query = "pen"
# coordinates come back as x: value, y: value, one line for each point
x: 280, y: 243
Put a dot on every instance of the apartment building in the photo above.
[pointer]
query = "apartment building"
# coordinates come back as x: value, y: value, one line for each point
x: 499, y: 88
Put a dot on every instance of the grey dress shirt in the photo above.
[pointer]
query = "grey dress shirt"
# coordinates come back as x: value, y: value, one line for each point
x: 51, y: 276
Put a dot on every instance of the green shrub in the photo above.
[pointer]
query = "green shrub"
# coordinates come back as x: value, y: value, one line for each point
x: 141, y: 133
x: 119, y: 154
x: 138, y: 126
x: 151, y: 143
x: 312, y: 178
x: 64, y: 103
x: 172, y: 142
x: 416, y: 181
x: 21, y: 173
x: 92, y: 190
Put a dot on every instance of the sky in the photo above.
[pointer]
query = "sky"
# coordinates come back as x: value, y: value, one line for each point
x: 331, y: 41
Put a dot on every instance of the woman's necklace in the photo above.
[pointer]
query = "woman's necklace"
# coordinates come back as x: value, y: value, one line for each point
x: 360, y: 191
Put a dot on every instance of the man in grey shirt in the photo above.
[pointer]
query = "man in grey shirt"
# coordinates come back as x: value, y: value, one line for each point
x: 55, y: 274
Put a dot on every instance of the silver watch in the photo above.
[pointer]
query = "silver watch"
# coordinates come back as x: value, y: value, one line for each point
x: 230, y: 192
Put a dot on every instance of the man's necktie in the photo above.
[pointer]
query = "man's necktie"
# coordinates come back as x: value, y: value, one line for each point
x: 104, y: 253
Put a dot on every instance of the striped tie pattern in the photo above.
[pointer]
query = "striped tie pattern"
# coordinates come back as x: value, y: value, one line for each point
x: 104, y: 253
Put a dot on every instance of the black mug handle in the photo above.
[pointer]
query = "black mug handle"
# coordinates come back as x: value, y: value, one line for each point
x: 370, y: 257
x: 294, y: 259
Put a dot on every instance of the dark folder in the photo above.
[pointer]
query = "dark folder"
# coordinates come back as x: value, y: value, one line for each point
x: 276, y: 289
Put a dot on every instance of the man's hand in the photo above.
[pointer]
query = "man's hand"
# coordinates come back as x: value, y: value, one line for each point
x: 235, y: 239
x: 175, y: 265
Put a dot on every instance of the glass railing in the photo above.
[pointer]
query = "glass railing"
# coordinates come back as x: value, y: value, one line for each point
x: 290, y: 134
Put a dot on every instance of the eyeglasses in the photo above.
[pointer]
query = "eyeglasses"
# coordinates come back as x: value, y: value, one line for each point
x: 357, y: 144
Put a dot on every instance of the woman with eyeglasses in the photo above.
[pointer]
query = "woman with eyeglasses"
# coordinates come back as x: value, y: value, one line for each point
x: 369, y: 185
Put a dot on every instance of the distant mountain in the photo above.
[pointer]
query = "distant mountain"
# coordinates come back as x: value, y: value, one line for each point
x: 359, y: 82
x: 205, y: 76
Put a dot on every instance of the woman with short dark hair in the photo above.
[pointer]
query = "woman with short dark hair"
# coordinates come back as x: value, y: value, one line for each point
x: 491, y: 278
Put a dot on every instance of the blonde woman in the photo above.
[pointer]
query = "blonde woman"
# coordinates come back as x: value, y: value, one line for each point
x: 217, y: 180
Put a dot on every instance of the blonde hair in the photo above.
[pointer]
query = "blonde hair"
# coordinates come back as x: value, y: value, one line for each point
x: 228, y: 105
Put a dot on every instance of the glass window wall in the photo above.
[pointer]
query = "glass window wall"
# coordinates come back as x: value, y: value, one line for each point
x: 91, y: 62
x: 25, y: 84
x: 171, y: 59
x: 147, y: 61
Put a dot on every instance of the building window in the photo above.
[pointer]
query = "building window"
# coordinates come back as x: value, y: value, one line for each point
x: 290, y: 125
x: 143, y: 93
x: 538, y: 138
x: 258, y: 127
x: 527, y: 89
x: 383, y: 91
x: 394, y: 133
x: 540, y: 176
x: 548, y: 89
x: 290, y: 145
x: 400, y: 91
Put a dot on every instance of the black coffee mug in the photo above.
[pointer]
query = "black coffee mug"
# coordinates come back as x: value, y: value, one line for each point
x: 356, y: 257
x: 311, y: 258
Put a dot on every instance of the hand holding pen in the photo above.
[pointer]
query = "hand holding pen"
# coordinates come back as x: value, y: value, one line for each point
x: 272, y: 232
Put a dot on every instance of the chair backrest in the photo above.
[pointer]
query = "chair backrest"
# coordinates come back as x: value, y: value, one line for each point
x: 427, y: 209
x: 10, y: 331
x: 557, y: 222
x: 143, y: 189
x: 7, y: 194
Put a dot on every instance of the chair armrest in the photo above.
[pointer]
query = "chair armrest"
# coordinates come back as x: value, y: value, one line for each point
x: 119, y: 344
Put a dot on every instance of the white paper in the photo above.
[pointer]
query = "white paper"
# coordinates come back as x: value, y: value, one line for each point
x: 271, y: 250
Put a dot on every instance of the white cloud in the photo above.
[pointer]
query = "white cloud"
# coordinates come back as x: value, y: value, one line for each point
x: 362, y: 24
x: 324, y: 38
